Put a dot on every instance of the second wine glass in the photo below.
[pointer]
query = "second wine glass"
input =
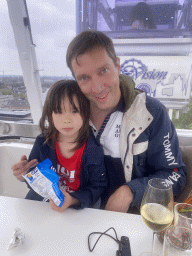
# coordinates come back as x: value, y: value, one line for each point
x: 157, y: 205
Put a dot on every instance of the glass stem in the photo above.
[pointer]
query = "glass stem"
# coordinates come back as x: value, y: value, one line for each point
x: 153, y: 241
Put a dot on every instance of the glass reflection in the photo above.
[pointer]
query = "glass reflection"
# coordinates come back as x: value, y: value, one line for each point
x: 131, y: 18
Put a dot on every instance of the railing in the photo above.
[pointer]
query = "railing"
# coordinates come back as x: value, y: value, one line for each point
x: 26, y: 133
x: 16, y: 130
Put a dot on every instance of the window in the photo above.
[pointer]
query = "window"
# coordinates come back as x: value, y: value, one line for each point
x: 165, y: 74
x: 52, y: 26
x: 137, y: 19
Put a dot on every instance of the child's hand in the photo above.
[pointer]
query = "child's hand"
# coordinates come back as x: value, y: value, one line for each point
x: 22, y: 167
x: 69, y: 200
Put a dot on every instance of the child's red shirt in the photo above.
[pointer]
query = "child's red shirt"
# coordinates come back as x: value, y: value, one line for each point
x: 69, y: 169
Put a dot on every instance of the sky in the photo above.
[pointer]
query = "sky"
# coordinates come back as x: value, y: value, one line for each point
x: 53, y: 24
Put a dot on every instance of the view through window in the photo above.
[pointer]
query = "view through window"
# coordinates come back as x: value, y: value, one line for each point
x: 55, y: 23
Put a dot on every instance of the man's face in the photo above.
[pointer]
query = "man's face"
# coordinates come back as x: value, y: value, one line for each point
x: 98, y: 79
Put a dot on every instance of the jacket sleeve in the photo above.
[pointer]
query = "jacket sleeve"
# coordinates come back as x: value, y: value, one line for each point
x: 35, y: 151
x: 162, y: 159
x: 93, y: 182
x: 34, y: 154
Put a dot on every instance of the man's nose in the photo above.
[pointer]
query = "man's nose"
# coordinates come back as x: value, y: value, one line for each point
x: 97, y: 85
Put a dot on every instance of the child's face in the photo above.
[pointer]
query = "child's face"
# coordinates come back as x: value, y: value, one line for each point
x: 68, y: 122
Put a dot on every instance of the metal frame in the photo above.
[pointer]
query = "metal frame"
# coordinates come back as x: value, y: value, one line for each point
x: 22, y: 31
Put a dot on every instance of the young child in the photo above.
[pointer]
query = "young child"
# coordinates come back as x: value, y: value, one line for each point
x: 66, y: 141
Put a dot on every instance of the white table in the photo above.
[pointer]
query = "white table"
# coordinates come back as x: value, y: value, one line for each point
x: 51, y: 233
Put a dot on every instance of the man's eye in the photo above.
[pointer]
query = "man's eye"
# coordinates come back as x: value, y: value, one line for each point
x: 84, y: 78
x: 103, y: 71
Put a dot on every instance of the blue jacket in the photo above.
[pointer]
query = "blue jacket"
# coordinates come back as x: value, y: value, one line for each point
x: 140, y: 143
x: 92, y: 176
x: 149, y: 145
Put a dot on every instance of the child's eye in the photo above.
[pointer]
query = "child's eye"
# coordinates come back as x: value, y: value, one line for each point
x: 57, y: 111
x: 75, y: 111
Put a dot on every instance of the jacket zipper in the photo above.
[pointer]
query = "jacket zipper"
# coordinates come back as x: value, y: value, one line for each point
x: 127, y: 150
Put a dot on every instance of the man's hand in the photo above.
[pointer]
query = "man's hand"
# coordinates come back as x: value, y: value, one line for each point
x: 69, y: 200
x: 22, y: 167
x: 120, y: 200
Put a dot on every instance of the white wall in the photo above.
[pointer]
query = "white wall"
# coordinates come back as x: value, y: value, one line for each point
x: 10, y: 153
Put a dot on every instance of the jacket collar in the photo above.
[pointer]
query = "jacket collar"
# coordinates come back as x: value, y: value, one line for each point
x: 91, y: 152
x: 128, y: 90
x: 50, y: 153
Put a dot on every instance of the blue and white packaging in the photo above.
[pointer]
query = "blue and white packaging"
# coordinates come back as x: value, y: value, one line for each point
x: 45, y: 182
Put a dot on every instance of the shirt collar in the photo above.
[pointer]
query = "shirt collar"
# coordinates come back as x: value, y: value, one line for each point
x: 120, y: 106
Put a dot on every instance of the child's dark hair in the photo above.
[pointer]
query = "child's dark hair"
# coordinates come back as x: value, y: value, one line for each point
x: 52, y: 104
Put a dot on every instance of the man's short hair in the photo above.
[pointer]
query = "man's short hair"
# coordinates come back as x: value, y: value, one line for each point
x: 87, y: 41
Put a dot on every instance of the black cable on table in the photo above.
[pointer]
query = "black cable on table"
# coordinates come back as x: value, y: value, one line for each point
x: 101, y: 234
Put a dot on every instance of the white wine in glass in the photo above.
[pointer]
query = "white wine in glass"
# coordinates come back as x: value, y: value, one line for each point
x: 157, y: 205
x: 157, y: 217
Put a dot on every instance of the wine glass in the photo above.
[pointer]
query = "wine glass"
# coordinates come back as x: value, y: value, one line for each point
x: 183, y: 215
x: 177, y: 241
x: 157, y: 206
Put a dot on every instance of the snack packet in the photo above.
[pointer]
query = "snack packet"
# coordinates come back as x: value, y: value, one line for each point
x: 45, y: 182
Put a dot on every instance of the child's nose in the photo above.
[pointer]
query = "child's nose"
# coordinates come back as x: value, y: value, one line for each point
x: 67, y: 119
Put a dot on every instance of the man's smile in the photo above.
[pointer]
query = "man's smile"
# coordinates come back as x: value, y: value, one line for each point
x: 102, y: 98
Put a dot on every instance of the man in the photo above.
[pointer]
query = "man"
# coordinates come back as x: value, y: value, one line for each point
x: 138, y: 138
